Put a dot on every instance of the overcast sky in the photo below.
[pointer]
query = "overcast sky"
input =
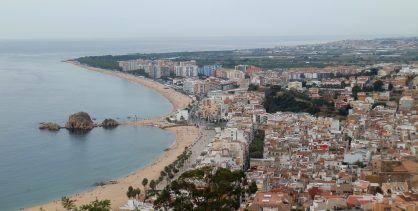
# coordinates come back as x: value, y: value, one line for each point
x: 86, y: 19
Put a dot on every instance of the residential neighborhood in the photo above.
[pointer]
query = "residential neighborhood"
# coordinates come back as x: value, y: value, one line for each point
x: 357, y: 148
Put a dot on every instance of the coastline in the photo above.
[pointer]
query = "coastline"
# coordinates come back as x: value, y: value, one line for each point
x: 185, y: 136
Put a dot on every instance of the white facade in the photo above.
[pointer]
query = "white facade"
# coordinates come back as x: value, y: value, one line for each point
x: 186, y: 69
x: 182, y: 115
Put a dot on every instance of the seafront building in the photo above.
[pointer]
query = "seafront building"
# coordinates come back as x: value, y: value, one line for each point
x: 186, y: 69
x: 209, y: 70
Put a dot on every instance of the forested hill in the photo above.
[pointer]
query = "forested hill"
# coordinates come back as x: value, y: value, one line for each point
x: 348, y: 52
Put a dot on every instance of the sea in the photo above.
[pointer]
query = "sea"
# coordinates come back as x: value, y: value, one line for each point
x: 37, y: 166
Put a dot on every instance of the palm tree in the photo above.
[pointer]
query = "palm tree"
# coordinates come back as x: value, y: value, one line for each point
x: 163, y: 174
x: 152, y: 185
x: 144, y: 183
x: 130, y: 192
x: 137, y: 191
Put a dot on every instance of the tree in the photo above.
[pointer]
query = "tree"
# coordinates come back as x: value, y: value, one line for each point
x: 252, y: 87
x: 256, y: 148
x: 133, y: 193
x: 96, y: 205
x: 217, y: 189
x: 390, y: 87
x: 378, y: 86
x: 145, y: 183
x: 163, y: 199
x: 152, y: 185
x: 253, y: 187
x: 130, y: 192
x: 359, y: 164
x: 343, y: 85
x: 356, y: 89
x: 68, y: 204
x: 163, y: 174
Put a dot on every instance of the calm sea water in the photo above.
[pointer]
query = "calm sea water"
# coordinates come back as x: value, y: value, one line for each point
x: 35, y: 86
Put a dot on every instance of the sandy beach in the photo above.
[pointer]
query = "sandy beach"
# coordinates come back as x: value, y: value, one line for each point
x: 185, y: 136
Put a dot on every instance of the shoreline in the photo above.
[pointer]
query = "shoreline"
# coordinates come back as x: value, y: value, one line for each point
x: 185, y: 136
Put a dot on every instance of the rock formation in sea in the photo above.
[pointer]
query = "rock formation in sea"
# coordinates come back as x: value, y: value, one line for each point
x: 49, y: 126
x: 79, y: 121
x: 109, y: 123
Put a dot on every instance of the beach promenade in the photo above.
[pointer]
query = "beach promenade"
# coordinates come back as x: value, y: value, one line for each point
x: 185, y: 137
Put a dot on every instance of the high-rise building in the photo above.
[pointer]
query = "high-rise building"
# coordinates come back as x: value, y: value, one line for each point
x: 186, y: 69
x: 209, y: 70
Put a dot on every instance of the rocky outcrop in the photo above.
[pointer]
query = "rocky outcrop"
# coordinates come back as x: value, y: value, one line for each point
x: 49, y: 126
x: 79, y: 121
x: 109, y: 123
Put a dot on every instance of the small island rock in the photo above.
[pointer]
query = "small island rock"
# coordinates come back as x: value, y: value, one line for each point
x: 109, y: 123
x: 49, y: 126
x: 80, y: 121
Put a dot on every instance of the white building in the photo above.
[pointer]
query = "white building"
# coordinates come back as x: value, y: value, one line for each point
x: 182, y: 115
x: 186, y: 69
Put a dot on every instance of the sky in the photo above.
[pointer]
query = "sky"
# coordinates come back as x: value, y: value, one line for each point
x: 116, y: 19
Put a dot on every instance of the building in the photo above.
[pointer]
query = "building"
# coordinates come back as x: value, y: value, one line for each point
x: 182, y: 115
x: 209, y: 70
x: 406, y: 103
x: 186, y: 69
x: 314, y: 93
x: 230, y: 74
x: 296, y: 85
x: 130, y: 65
x: 195, y: 87
x: 234, y: 75
x: 271, y: 201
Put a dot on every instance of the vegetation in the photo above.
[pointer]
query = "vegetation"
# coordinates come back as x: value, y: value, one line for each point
x: 378, y: 104
x: 271, y: 58
x: 105, y: 62
x: 370, y: 72
x: 133, y: 193
x: 252, y: 87
x: 139, y: 73
x: 344, y: 111
x: 284, y: 100
x: 96, y: 205
x: 390, y: 87
x: 378, y: 86
x: 170, y: 170
x: 145, y: 183
x: 256, y: 147
x: 359, y: 164
x: 356, y: 89
x: 205, y: 189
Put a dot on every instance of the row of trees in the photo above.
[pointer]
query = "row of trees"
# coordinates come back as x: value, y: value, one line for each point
x: 96, y: 205
x: 256, y: 148
x: 168, y: 173
x: 172, y: 169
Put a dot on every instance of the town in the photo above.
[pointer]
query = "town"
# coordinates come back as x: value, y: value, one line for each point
x: 336, y: 137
